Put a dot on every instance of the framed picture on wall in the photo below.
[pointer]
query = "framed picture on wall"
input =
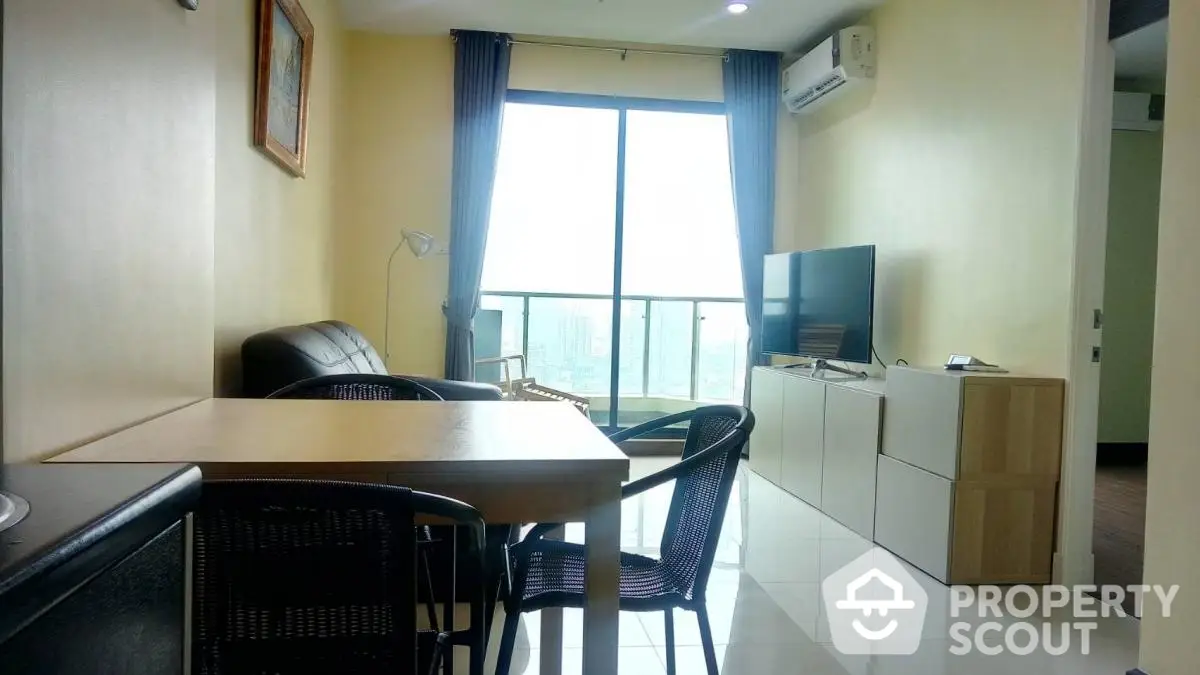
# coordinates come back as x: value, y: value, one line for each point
x: 285, y: 52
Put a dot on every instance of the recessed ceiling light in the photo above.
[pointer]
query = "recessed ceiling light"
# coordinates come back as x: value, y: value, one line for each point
x: 737, y: 8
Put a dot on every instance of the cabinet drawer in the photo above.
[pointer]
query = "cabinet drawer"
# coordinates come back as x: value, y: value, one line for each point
x: 913, y: 516
x: 922, y: 424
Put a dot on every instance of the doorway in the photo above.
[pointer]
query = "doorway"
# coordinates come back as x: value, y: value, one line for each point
x: 1131, y: 251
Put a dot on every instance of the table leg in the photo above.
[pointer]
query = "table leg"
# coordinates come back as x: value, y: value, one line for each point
x: 552, y: 631
x: 601, y: 616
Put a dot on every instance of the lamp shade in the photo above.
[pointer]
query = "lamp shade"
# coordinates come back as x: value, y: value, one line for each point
x: 420, y: 243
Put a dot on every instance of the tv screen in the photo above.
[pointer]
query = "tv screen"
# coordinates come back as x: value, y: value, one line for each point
x: 819, y: 304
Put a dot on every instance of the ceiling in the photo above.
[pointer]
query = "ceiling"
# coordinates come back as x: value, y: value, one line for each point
x: 1143, y: 53
x: 779, y: 25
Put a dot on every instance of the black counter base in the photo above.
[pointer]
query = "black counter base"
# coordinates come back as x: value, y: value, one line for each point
x: 126, y: 621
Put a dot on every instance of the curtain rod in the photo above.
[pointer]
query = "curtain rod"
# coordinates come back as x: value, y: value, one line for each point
x: 619, y: 50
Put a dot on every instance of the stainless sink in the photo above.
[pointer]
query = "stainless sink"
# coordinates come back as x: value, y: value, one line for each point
x: 12, y: 510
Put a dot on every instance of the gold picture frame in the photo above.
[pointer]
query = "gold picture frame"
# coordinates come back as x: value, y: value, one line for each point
x: 285, y: 53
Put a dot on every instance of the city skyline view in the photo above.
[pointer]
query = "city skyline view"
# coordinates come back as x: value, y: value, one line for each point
x: 553, y: 233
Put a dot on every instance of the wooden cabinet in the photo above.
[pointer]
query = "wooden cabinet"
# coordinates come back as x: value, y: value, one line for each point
x: 766, y: 400
x: 1003, y: 532
x: 968, y: 426
x: 802, y: 438
x: 969, y: 474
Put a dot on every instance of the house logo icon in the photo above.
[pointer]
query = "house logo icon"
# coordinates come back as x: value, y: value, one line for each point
x: 875, y: 606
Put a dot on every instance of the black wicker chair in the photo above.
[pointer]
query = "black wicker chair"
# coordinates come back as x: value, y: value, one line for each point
x: 548, y: 573
x: 372, y: 387
x: 358, y: 387
x: 297, y: 577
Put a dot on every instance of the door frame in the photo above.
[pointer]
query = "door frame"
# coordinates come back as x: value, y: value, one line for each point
x: 1106, y: 20
x: 1074, y: 562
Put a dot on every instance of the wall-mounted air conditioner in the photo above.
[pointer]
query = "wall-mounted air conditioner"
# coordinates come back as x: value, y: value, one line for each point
x: 844, y: 59
x: 1138, y: 112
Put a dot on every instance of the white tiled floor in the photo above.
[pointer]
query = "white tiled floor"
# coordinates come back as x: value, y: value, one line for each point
x: 765, y: 606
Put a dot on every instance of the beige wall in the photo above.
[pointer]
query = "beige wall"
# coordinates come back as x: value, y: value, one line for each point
x: 962, y: 171
x: 394, y: 170
x: 586, y: 71
x: 1132, y: 247
x: 396, y: 166
x: 274, y: 233
x: 108, y: 183
x: 1169, y: 646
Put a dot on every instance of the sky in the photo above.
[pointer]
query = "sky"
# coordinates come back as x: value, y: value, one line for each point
x: 554, y: 207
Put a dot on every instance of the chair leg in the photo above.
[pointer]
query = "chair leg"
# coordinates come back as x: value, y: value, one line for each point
x: 669, y: 623
x: 710, y: 654
x: 430, y: 602
x: 449, y: 606
x: 507, y: 642
x: 439, y: 650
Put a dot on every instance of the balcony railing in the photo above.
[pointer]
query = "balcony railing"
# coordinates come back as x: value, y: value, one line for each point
x: 675, y: 349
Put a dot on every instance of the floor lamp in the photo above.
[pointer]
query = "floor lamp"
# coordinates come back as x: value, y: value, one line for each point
x: 422, y: 244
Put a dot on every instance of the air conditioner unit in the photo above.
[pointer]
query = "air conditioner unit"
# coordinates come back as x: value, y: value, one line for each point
x: 1138, y: 112
x: 845, y: 58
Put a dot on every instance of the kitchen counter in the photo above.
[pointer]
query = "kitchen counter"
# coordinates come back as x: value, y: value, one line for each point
x: 83, y: 520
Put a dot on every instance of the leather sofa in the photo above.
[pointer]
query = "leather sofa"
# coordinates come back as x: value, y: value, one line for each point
x: 276, y: 358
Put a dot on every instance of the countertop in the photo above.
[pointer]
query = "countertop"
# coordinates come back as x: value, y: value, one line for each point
x: 82, y: 519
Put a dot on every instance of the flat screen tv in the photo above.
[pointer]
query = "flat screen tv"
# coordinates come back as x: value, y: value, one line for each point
x: 819, y: 304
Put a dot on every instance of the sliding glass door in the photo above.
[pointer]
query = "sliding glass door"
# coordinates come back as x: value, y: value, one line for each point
x: 612, y: 253
x: 679, y: 255
x: 550, y: 244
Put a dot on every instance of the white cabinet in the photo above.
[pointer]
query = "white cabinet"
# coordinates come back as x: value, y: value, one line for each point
x: 766, y: 400
x: 851, y: 451
x: 923, y: 423
x: 969, y: 474
x: 966, y: 485
x: 803, y: 440
x: 819, y: 441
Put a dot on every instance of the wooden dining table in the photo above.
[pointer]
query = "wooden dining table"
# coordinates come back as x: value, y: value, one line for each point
x: 515, y: 461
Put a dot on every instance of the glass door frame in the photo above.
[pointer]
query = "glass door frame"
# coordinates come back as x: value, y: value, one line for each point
x: 622, y: 104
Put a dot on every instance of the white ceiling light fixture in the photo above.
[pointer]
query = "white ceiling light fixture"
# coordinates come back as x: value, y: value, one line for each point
x: 737, y: 8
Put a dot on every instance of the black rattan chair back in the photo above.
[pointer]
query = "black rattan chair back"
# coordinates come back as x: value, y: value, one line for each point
x: 549, y: 573
x: 304, y: 577
x: 358, y: 387
x: 701, y: 494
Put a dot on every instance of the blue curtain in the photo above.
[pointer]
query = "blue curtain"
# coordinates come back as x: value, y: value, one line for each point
x: 752, y: 100
x: 480, y: 81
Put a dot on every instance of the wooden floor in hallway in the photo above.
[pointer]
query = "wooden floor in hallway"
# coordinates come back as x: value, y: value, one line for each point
x: 1119, y: 530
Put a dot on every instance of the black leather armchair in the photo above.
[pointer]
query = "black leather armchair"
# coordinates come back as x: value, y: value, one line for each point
x: 276, y: 358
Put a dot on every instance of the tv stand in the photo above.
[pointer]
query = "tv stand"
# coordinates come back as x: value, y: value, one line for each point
x: 942, y: 468
x: 820, y: 365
